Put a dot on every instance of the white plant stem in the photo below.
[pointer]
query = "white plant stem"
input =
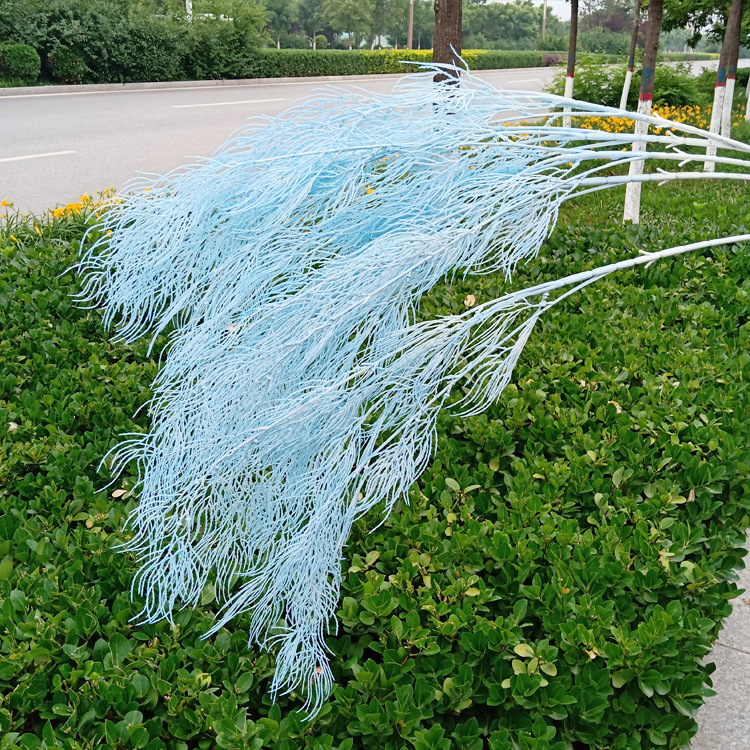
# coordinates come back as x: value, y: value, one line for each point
x: 645, y: 258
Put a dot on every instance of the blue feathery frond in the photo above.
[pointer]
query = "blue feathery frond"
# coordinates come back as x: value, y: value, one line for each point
x: 298, y: 391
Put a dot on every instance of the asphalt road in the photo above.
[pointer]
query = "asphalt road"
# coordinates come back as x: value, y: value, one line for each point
x: 56, y: 146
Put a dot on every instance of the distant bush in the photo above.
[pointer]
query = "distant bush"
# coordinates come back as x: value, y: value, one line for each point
x: 321, y: 42
x: 294, y: 41
x: 604, y: 41
x: 602, y: 84
x: 217, y: 50
x: 67, y: 66
x: 19, y: 62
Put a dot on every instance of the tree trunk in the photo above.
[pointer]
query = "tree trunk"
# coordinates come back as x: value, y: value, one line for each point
x: 734, y: 34
x: 572, y: 44
x: 278, y: 41
x: 631, y: 58
x: 446, y: 44
x: 544, y: 19
x: 720, y: 86
x: 645, y: 99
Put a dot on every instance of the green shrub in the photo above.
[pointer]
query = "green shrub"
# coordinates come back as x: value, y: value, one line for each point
x: 604, y: 41
x: 19, y: 62
x: 218, y: 50
x: 556, y: 580
x: 67, y: 65
x: 275, y: 63
x: 294, y: 41
x: 602, y: 84
x: 320, y: 42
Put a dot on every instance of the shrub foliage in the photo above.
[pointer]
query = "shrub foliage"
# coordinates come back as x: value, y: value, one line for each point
x: 555, y: 580
x: 19, y: 62
x: 602, y: 84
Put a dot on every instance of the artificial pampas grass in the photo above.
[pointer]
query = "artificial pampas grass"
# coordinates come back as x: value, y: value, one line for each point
x: 297, y: 390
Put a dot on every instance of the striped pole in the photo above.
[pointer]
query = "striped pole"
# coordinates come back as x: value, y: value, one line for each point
x: 631, y: 59
x: 571, y: 72
x: 645, y: 100
x: 734, y: 33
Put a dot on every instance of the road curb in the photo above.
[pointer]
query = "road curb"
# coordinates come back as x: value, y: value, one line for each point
x: 107, y: 88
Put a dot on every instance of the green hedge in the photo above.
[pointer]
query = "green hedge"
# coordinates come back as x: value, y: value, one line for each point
x: 294, y: 62
x: 556, y: 581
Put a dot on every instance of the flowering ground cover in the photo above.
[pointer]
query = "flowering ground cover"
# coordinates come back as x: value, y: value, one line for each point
x: 553, y: 581
x: 696, y: 115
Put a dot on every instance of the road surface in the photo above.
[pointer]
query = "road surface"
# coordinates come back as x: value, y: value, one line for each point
x: 56, y: 146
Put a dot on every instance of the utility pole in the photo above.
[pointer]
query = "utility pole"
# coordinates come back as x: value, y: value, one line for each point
x: 410, y: 32
x: 544, y: 19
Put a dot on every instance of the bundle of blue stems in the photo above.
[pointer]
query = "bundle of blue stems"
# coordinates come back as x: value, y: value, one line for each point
x: 298, y: 389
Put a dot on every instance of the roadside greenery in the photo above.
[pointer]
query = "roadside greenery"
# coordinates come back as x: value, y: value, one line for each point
x: 600, y: 82
x: 19, y: 62
x: 125, y: 41
x: 556, y: 579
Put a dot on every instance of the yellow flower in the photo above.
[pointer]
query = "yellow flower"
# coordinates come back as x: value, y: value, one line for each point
x: 15, y: 239
x: 5, y: 203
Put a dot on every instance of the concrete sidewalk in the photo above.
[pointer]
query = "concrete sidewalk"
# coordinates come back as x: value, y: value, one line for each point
x: 724, y: 719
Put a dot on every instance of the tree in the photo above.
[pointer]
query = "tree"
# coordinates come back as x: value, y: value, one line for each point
x: 507, y: 25
x: 446, y: 43
x: 424, y: 23
x: 396, y: 22
x: 281, y: 15
x: 351, y: 16
x: 732, y: 41
x: 645, y: 99
x: 631, y: 57
x: 311, y: 17
x: 613, y: 15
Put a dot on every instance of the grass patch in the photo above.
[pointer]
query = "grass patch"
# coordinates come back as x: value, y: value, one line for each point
x: 560, y: 573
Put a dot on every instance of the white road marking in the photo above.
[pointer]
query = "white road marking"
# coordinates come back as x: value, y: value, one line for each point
x: 221, y: 104
x: 36, y: 156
